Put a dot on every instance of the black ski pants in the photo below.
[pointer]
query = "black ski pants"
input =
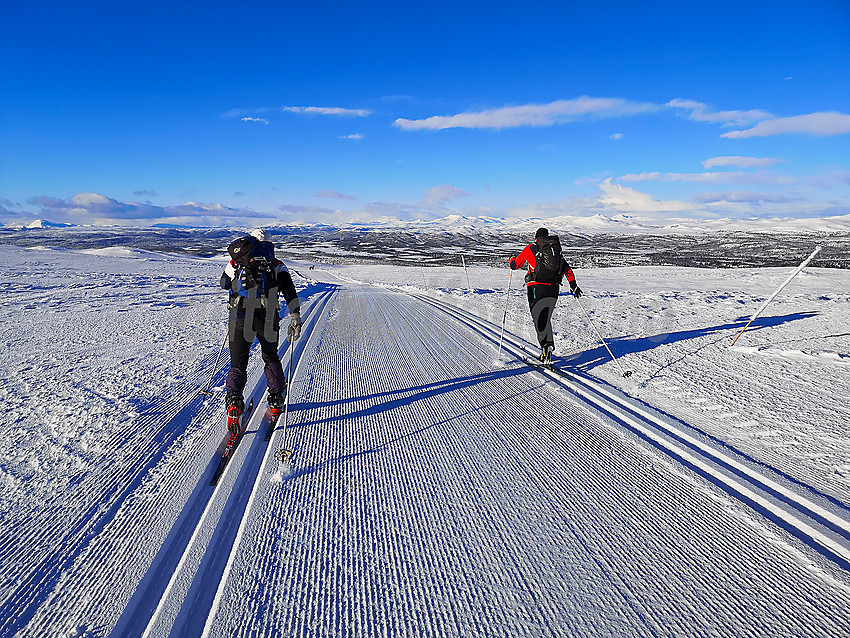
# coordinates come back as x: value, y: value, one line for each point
x: 240, y: 350
x: 541, y: 301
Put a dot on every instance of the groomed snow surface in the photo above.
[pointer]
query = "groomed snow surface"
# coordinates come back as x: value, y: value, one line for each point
x: 437, y: 488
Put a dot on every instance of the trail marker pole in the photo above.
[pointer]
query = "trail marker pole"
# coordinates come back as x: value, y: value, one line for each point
x: 468, y: 285
x: 796, y: 272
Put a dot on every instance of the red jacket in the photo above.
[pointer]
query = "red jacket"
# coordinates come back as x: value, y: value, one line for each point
x: 529, y: 256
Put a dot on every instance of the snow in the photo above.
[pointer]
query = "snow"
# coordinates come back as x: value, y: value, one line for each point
x: 432, y: 492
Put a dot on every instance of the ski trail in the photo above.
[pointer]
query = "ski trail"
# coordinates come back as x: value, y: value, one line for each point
x: 147, y: 511
x: 436, y: 496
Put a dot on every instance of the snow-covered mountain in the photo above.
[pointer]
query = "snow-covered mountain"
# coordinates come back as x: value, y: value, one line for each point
x: 38, y: 223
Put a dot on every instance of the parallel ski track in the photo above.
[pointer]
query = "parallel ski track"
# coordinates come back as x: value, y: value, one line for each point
x: 196, y: 557
x: 822, y: 529
x: 57, y: 546
x: 436, y: 496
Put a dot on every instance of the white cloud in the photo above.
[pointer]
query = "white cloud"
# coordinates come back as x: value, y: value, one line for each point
x: 617, y: 136
x: 820, y: 124
x: 701, y: 112
x: 732, y: 177
x: 327, y: 110
x: 97, y: 209
x: 353, y: 136
x: 439, y: 195
x: 89, y: 199
x: 624, y: 199
x: 744, y: 162
x: 258, y: 120
x: 548, y: 114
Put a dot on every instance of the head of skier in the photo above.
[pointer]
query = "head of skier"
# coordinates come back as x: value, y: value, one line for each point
x: 262, y: 234
x: 542, y: 233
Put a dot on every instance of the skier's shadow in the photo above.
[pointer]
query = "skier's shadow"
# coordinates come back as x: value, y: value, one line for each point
x: 410, y: 395
x: 405, y: 396
x: 620, y: 346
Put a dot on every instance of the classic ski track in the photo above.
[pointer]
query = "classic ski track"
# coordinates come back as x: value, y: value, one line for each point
x: 187, y: 587
x: 343, y: 548
x: 142, y: 495
x: 821, y: 528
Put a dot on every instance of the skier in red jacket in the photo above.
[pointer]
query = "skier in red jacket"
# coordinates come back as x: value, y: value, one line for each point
x: 546, y: 270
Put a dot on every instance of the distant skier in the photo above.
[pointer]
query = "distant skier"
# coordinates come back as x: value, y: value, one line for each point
x: 547, y: 268
x: 256, y: 279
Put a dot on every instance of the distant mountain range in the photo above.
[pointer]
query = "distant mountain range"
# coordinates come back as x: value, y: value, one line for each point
x: 581, y: 225
x: 612, y: 243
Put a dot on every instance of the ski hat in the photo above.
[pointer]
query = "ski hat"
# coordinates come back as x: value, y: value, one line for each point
x: 262, y: 234
x: 541, y: 232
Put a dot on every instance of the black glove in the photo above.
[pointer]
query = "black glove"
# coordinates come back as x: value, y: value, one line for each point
x: 575, y: 289
x: 225, y: 282
x: 513, y: 263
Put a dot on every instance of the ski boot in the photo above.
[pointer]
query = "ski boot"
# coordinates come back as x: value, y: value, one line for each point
x: 235, y: 406
x: 276, y: 404
x: 548, y: 351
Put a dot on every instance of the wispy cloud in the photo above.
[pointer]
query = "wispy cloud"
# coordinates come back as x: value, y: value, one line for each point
x: 731, y: 177
x: 819, y: 124
x: 258, y: 120
x: 736, y: 160
x: 353, y: 136
x: 327, y: 110
x: 700, y: 112
x: 243, y: 112
x: 549, y: 114
x: 329, y: 194
x: 747, y: 197
x: 98, y: 209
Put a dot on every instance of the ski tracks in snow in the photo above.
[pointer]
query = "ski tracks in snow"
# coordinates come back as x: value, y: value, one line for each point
x: 435, y: 495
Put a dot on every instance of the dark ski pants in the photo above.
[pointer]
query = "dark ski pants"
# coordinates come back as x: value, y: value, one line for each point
x: 541, y: 302
x: 240, y: 349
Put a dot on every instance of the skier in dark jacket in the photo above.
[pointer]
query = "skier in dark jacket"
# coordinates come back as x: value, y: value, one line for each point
x: 255, y: 313
x: 546, y: 270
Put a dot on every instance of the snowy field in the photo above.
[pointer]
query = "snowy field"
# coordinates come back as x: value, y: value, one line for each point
x: 435, y: 490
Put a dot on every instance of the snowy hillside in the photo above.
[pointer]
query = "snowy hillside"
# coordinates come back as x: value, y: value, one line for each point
x: 440, y: 486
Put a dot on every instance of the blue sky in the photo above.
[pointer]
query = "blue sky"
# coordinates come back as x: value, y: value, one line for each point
x: 222, y: 112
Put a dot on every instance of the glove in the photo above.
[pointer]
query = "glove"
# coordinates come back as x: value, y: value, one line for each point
x: 513, y: 263
x: 294, y: 329
x: 575, y: 289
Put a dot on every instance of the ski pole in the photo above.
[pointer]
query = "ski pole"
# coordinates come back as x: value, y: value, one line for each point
x: 207, y: 392
x: 283, y: 455
x: 777, y: 291
x: 505, y: 316
x: 626, y: 373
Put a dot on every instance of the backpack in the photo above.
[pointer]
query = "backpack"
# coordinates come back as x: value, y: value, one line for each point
x: 254, y: 261
x: 549, y: 270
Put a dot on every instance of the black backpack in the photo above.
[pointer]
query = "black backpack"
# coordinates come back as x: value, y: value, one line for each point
x: 254, y: 260
x: 548, y: 269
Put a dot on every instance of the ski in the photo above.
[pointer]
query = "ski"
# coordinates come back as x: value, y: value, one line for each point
x: 271, y: 418
x: 540, y: 365
x: 232, y: 443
